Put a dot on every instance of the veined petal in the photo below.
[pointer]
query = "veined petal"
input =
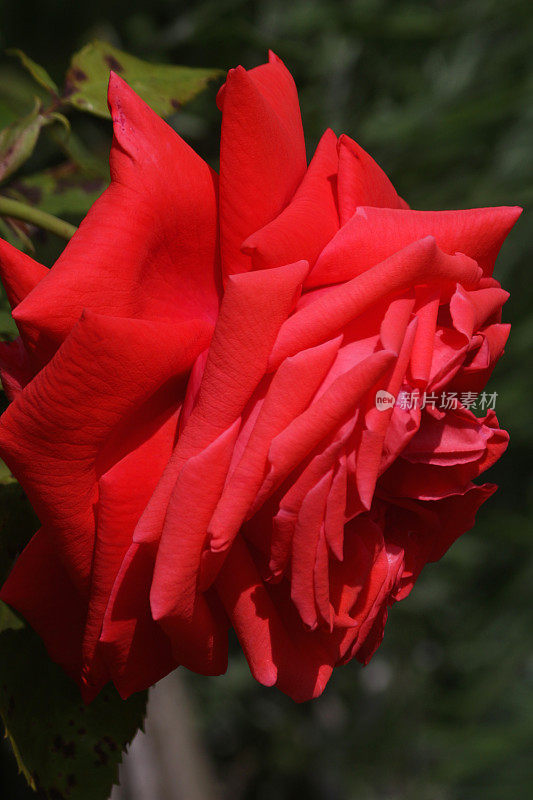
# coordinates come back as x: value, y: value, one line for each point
x: 418, y: 263
x: 373, y: 234
x: 254, y: 307
x: 292, y: 389
x: 84, y: 411
x: 148, y: 246
x: 310, y: 220
x: 194, y: 498
x: 362, y: 182
x: 262, y: 154
x: 322, y: 418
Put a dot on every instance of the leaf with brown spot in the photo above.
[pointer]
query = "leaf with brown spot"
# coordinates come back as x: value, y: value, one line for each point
x: 38, y: 703
x: 165, y: 87
x: 62, y: 191
x: 18, y: 140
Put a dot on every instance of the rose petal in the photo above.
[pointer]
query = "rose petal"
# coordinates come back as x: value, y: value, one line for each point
x: 56, y: 436
x: 373, y: 234
x: 419, y: 262
x: 262, y: 154
x: 310, y: 220
x: 148, y: 246
x: 362, y: 182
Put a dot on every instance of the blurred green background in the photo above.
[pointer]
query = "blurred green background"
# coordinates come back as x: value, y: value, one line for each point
x: 441, y: 93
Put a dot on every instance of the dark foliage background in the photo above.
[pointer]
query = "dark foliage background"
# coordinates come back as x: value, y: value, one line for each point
x: 441, y: 93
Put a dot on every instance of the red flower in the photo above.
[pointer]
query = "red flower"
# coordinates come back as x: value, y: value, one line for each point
x: 195, y: 467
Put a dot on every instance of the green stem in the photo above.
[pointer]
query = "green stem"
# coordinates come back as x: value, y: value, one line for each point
x: 17, y: 210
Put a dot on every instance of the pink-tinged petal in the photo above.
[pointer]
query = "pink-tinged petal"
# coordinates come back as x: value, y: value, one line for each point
x: 462, y: 311
x: 427, y: 309
x: 362, y: 182
x: 16, y: 368
x: 305, y: 541
x: 402, y: 426
x: 299, y: 484
x: 394, y: 324
x: 84, y: 411
x: 478, y: 365
x: 449, y: 351
x: 310, y: 220
x: 369, y: 455
x: 471, y: 310
x: 488, y: 305
x: 262, y: 154
x: 39, y: 587
x: 148, y: 246
x: 254, y: 307
x: 336, y: 510
x: 449, y: 438
x: 321, y: 582
x: 276, y: 644
x: 193, y: 500
x: 292, y: 388
x: 373, y: 234
x: 318, y: 425
x: 418, y: 263
x: 444, y: 457
x: 323, y: 417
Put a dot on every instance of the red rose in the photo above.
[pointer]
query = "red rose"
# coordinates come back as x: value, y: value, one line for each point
x: 253, y: 465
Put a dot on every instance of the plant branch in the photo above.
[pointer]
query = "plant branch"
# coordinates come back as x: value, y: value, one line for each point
x: 18, y: 210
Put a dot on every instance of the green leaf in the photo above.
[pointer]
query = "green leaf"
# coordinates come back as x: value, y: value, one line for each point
x: 65, y: 748
x: 8, y: 619
x: 62, y: 191
x: 56, y: 116
x: 18, y: 141
x: 74, y: 148
x: 14, y: 209
x: 13, y: 232
x: 17, y: 93
x: 164, y: 87
x: 7, y: 323
x: 36, y: 71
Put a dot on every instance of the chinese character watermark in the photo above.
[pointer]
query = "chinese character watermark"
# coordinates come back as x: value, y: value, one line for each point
x: 446, y: 401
